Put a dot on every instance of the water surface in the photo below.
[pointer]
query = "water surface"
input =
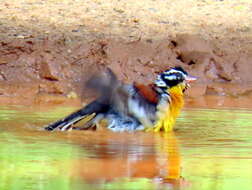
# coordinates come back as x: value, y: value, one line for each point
x: 211, y: 149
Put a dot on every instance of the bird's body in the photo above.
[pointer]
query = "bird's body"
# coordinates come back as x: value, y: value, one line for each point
x: 133, y: 107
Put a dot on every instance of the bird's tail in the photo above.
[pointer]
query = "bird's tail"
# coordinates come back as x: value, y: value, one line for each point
x: 102, y: 84
x: 91, y: 109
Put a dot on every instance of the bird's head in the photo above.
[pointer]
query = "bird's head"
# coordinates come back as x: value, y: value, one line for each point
x: 174, y: 79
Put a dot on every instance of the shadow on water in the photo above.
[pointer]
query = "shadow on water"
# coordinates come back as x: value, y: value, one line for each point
x: 210, y: 150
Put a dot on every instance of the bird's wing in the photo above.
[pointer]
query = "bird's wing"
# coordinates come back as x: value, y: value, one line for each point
x: 103, y: 84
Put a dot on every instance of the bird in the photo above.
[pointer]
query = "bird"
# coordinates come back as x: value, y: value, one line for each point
x: 131, y: 107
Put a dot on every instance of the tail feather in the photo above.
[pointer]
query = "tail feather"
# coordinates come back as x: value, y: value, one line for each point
x: 65, y: 123
x: 106, y: 85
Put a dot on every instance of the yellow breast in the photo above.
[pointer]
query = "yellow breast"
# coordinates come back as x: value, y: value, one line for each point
x: 168, y: 112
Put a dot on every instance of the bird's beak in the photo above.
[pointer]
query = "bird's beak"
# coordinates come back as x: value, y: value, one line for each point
x: 190, y: 79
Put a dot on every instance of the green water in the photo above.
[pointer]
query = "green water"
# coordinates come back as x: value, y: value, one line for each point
x: 212, y: 149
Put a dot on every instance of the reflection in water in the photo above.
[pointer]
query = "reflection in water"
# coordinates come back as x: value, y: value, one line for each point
x: 168, y: 156
x: 211, y: 150
x: 142, y: 160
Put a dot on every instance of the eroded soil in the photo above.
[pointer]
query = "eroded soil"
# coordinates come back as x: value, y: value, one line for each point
x: 47, y: 48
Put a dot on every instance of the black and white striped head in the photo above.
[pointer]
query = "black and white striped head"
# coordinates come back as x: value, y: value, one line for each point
x: 173, y: 77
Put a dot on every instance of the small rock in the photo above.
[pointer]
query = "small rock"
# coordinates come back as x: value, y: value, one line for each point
x: 20, y: 37
x: 72, y: 95
x: 49, y: 68
x: 75, y: 30
x: 135, y: 20
x: 118, y: 10
x: 3, y: 61
x: 48, y: 71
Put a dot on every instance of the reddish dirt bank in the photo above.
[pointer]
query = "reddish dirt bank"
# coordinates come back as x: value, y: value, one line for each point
x: 31, y: 68
x: 48, y: 47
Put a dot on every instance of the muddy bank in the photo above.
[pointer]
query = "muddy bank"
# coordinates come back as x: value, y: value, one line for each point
x: 47, y: 48
x: 31, y: 68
